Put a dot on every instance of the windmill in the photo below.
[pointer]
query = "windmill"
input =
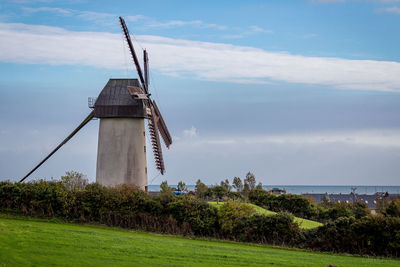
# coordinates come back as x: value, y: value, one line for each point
x: 122, y: 106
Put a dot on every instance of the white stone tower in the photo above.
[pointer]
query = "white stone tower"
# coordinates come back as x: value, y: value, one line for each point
x: 121, y: 154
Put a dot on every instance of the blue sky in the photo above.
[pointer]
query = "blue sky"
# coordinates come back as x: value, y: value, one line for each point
x: 297, y: 92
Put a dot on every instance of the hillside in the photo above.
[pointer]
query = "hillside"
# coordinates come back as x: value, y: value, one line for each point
x: 42, y: 243
x: 304, y: 223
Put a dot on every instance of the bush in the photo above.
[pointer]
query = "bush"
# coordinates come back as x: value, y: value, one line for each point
x: 331, y: 211
x: 198, y: 214
x: 302, y: 207
x: 39, y: 198
x: 335, y: 211
x: 231, y: 213
x: 393, y: 209
x: 373, y: 235
x: 278, y: 229
x: 240, y: 222
x: 359, y: 209
x: 298, y: 205
x: 74, y: 180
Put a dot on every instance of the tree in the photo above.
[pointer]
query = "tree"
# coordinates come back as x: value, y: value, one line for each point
x: 182, y: 186
x: 218, y: 192
x: 250, y: 180
x: 201, y: 189
x: 237, y: 184
x: 360, y: 209
x: 246, y: 190
x: 164, y: 187
x: 259, y: 185
x: 393, y: 209
x: 226, y: 186
x: 74, y: 180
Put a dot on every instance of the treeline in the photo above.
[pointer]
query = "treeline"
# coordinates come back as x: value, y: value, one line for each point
x: 300, y: 206
x: 73, y: 200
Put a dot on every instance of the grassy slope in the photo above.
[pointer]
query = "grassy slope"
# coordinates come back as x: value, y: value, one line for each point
x: 36, y: 242
x: 304, y: 223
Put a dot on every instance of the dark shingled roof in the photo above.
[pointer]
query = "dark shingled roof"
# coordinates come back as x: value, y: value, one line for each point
x: 370, y: 200
x: 115, y: 101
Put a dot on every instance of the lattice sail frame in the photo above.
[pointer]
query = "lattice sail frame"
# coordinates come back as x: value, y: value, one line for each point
x: 156, y: 123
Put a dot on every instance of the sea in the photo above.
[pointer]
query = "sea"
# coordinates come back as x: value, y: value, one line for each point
x: 318, y: 189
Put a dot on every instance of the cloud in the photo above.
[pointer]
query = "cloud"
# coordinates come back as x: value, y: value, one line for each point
x: 331, y: 157
x: 192, y: 132
x: 134, y: 17
x: 147, y: 21
x: 393, y: 10
x: 380, y: 138
x: 309, y: 36
x: 29, y: 1
x: 181, y: 23
x: 84, y: 15
x: 385, y: 138
x: 60, y: 11
x: 249, y: 31
x: 259, y: 29
x: 199, y: 60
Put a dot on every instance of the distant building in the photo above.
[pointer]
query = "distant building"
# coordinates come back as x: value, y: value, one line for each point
x: 370, y: 200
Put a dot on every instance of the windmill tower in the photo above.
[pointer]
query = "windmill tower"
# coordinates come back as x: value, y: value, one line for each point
x: 122, y: 106
x: 121, y: 151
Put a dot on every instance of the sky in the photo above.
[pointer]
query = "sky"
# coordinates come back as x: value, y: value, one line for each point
x: 296, y: 92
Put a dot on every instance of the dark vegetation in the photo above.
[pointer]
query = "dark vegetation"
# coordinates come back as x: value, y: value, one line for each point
x: 348, y: 227
x: 305, y: 208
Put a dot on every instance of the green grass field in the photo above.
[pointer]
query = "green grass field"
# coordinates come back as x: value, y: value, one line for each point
x: 28, y: 242
x: 304, y: 223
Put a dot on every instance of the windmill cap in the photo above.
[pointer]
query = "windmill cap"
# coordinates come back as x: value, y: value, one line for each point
x: 115, y: 101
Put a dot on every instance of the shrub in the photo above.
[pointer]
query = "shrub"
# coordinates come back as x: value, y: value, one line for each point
x: 39, y: 198
x: 359, y: 209
x: 373, y: 235
x: 393, y: 209
x: 335, y: 211
x: 74, y: 180
x: 240, y: 222
x: 334, y: 236
x: 331, y: 211
x: 278, y: 229
x: 201, y: 217
x: 298, y: 205
x: 231, y: 213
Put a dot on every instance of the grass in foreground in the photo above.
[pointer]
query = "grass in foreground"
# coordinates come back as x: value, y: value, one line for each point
x: 27, y: 242
x: 304, y: 223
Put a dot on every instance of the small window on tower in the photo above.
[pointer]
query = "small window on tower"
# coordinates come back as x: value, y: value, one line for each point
x: 145, y: 169
x: 144, y: 149
x: 144, y: 133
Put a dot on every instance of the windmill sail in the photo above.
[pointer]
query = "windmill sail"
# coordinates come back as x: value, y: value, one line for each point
x: 155, y: 142
x: 132, y: 50
x: 156, y: 122
x: 146, y: 68
x: 83, y: 123
x: 162, y: 127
